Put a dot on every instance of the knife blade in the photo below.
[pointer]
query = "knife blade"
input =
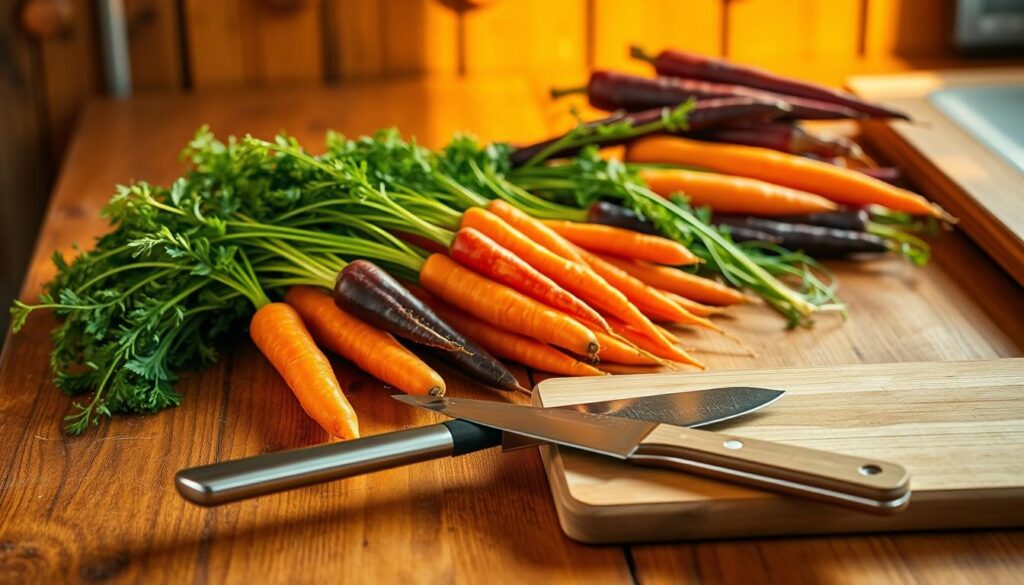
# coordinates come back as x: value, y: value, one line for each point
x: 229, y: 481
x: 856, y: 482
x: 685, y: 409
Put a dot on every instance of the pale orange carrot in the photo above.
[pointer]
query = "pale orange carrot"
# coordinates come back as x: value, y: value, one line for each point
x: 278, y: 330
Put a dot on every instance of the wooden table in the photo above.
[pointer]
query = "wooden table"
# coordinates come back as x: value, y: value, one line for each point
x: 101, y: 507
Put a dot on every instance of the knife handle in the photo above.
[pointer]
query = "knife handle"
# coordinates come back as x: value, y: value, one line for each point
x: 858, y: 482
x: 230, y: 481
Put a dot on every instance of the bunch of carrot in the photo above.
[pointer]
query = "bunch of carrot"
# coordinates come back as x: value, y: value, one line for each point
x: 550, y: 295
x: 770, y: 180
x: 380, y: 250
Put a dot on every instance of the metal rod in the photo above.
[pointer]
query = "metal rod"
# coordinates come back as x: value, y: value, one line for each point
x: 114, y: 40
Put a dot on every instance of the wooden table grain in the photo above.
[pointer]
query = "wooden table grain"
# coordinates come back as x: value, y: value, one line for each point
x: 101, y: 507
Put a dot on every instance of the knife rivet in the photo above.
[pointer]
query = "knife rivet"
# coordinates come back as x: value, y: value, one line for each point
x: 870, y: 469
x: 733, y: 444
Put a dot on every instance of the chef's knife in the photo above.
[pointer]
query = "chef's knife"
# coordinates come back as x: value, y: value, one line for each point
x: 229, y: 481
x: 857, y: 482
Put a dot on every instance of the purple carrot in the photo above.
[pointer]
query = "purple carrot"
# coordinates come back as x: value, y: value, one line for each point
x: 689, y: 65
x: 704, y: 114
x: 370, y: 293
x: 784, y: 137
x: 605, y: 213
x: 817, y: 241
x: 612, y: 91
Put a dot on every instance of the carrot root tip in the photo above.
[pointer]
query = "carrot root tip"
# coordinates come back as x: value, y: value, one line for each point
x: 436, y: 391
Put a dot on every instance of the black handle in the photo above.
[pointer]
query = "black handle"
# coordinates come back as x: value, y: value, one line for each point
x: 469, y: 438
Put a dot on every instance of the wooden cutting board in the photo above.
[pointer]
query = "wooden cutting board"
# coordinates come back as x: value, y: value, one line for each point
x: 958, y: 427
x: 946, y: 162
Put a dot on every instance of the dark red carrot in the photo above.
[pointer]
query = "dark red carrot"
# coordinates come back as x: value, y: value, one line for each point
x: 844, y: 219
x: 371, y: 294
x: 612, y: 91
x: 605, y: 213
x: 783, y: 137
x: 819, y: 242
x: 705, y: 114
x: 692, y: 66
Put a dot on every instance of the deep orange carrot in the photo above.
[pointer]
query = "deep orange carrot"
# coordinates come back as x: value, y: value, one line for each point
x: 508, y: 345
x: 673, y: 352
x: 730, y: 194
x: 691, y: 286
x: 534, y: 229
x: 622, y: 242
x: 504, y: 307
x: 474, y: 250
x: 376, y: 352
x: 278, y: 331
x: 646, y: 298
x: 699, y: 309
x: 838, y: 184
x: 575, y: 277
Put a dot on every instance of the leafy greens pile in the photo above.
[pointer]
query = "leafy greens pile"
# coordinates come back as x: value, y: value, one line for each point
x: 185, y: 266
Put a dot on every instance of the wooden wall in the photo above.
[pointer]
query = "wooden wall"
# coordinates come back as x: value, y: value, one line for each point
x: 52, y: 65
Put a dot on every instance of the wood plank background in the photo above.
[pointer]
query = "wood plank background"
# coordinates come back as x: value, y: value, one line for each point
x: 198, y: 45
x: 194, y: 44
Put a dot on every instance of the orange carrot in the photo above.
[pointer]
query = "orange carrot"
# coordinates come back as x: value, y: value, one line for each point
x: 646, y: 298
x: 475, y: 250
x: 628, y: 369
x: 504, y: 307
x: 278, y: 331
x: 575, y: 277
x: 622, y: 242
x: 838, y: 184
x: 510, y: 346
x: 375, y: 351
x: 699, y: 309
x: 534, y: 229
x: 615, y: 350
x: 700, y: 289
x: 729, y: 194
x: 673, y: 352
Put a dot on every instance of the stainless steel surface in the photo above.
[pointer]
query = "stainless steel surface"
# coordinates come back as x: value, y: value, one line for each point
x: 230, y: 481
x: 606, y: 435
x: 686, y: 409
x: 693, y: 408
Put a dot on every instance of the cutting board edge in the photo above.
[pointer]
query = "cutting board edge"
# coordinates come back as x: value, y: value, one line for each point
x: 631, y: 523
